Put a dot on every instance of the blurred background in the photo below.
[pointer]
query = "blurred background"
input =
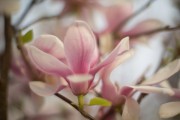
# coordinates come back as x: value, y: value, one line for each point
x: 152, y: 25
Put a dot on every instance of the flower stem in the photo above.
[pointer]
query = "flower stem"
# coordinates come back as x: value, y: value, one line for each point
x: 81, y: 102
x: 85, y: 114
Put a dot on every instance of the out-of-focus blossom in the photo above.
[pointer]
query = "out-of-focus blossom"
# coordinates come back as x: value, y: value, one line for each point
x: 115, y: 15
x: 101, y: 15
x: 118, y: 94
x: 9, y: 6
x: 76, y: 61
x: 169, y: 110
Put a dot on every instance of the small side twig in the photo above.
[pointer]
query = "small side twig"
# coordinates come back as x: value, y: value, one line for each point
x: 86, y: 115
x: 141, y: 97
x: 164, y: 29
x: 26, y: 11
x: 65, y: 10
x: 123, y: 23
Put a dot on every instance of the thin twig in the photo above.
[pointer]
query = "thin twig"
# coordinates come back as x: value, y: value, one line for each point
x: 86, y: 115
x: 141, y: 97
x: 38, y: 20
x: 26, y: 11
x: 65, y: 10
x: 124, y: 22
x: 20, y: 46
x: 164, y: 29
x: 4, y: 67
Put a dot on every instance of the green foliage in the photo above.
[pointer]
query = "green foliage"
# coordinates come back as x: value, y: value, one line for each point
x: 99, y: 101
x: 27, y: 37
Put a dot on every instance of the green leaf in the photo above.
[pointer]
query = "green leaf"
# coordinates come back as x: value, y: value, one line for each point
x: 27, y: 37
x: 99, y: 101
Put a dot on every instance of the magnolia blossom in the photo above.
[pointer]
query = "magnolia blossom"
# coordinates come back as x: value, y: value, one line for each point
x: 76, y: 60
x: 122, y: 95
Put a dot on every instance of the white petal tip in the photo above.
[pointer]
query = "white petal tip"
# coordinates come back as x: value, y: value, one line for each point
x: 79, y: 78
x: 41, y: 89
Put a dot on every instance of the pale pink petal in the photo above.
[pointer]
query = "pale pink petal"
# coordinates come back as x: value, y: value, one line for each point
x: 79, y: 83
x: 109, y: 91
x: 120, y: 48
x: 50, y: 44
x: 46, y: 89
x: 146, y: 25
x: 152, y: 89
x: 46, y: 62
x: 169, y: 110
x: 164, y: 73
x: 80, y: 47
x: 119, y: 59
x: 131, y: 110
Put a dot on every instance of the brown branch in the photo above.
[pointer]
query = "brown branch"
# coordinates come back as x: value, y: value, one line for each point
x: 124, y: 22
x: 4, y: 67
x: 141, y: 97
x: 86, y: 115
x: 164, y: 29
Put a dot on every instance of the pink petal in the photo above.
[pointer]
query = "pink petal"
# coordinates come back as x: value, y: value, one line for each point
x: 120, y: 48
x: 146, y: 25
x: 95, y: 58
x: 169, y: 110
x: 164, y: 73
x: 110, y: 92
x: 126, y: 90
x: 176, y: 93
x: 46, y: 62
x: 50, y: 44
x: 79, y: 83
x: 80, y: 47
x: 46, y: 89
x: 131, y: 110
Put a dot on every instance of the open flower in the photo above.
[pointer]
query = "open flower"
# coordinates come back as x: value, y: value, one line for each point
x: 76, y: 60
x: 122, y: 95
